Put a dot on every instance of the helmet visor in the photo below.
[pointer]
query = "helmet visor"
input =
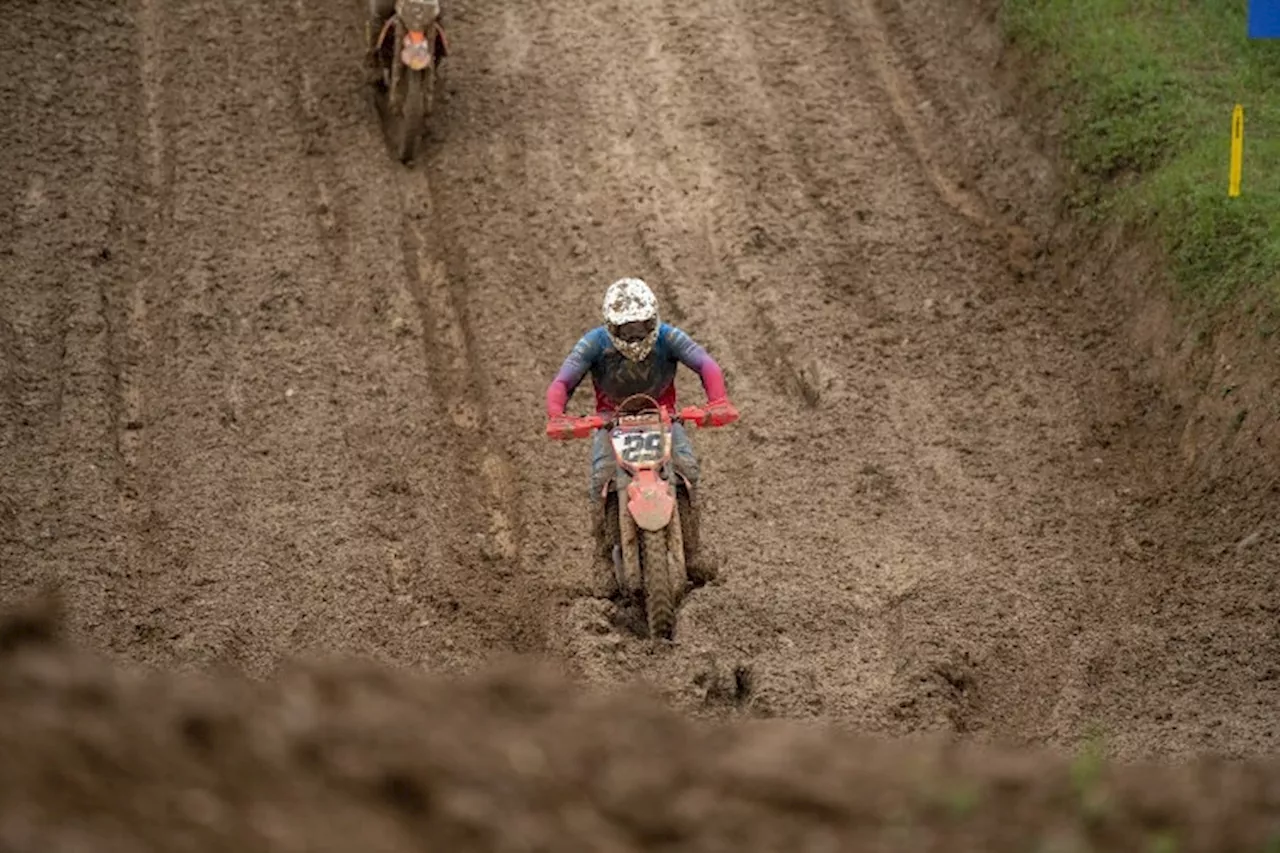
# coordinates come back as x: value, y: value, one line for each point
x: 635, y: 331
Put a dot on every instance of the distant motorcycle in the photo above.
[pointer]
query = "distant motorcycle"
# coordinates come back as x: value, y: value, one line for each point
x: 408, y: 47
x: 650, y: 564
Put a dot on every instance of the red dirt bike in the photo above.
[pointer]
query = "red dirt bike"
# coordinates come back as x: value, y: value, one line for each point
x: 408, y: 61
x: 650, y: 534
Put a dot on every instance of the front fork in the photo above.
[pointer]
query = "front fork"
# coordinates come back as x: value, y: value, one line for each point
x: 395, y: 91
x: 395, y: 94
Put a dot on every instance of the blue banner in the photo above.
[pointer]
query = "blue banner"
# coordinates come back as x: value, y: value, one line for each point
x: 1264, y: 19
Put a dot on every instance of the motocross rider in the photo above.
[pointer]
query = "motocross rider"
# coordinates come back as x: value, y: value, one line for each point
x: 635, y: 353
x: 379, y: 12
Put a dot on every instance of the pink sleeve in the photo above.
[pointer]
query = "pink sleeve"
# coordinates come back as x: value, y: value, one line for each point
x: 557, y: 397
x: 697, y: 359
x: 712, y: 380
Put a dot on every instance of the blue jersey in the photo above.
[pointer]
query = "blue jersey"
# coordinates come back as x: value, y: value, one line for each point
x: 616, y: 377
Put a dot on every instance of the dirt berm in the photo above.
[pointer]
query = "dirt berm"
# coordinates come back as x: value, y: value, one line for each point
x: 517, y: 759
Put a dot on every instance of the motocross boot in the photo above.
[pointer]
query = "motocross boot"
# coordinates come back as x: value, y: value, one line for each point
x: 604, y: 580
x: 699, y: 561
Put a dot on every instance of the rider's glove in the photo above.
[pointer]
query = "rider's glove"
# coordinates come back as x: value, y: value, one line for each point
x: 560, y: 427
x: 720, y: 413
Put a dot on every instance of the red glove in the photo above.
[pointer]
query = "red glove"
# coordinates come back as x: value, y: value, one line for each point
x: 720, y: 413
x: 560, y: 427
x: 566, y: 427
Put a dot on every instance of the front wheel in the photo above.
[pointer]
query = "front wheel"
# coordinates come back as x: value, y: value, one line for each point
x: 659, y: 591
x: 413, y: 111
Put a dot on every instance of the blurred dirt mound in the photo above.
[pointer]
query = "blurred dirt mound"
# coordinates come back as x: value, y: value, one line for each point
x: 357, y: 757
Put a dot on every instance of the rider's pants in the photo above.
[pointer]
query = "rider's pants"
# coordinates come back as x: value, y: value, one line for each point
x: 603, y: 463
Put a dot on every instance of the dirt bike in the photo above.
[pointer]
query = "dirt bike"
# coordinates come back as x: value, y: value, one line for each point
x: 408, y: 64
x: 649, y: 557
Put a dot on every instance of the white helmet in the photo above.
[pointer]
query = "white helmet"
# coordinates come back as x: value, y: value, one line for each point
x: 631, y: 317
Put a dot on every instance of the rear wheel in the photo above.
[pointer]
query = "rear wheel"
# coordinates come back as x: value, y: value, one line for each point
x: 659, y: 591
x: 413, y: 112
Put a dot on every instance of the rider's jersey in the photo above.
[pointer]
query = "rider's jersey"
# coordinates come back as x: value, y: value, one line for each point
x: 615, y: 377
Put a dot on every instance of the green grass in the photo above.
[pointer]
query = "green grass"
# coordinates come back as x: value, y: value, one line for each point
x: 1087, y: 769
x: 1147, y: 88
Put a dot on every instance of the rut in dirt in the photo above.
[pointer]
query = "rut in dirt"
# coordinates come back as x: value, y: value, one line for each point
x: 231, y: 427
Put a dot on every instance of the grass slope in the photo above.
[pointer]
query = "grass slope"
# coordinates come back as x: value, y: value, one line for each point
x: 1148, y: 88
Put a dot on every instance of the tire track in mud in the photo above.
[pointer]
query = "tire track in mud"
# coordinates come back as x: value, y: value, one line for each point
x: 272, y: 393
x: 332, y: 123
x: 523, y: 295
x: 677, y: 233
x: 66, y: 185
x: 940, y: 681
x: 459, y: 378
x: 735, y: 119
x: 924, y: 121
x: 866, y: 18
x: 985, y: 678
x: 999, y: 177
x: 485, y: 524
x: 156, y: 204
x: 186, y: 320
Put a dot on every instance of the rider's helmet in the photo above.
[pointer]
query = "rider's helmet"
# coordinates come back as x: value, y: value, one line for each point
x: 631, y: 317
x: 418, y: 13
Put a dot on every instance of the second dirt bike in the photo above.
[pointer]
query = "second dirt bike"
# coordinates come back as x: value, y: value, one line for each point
x: 649, y: 551
x: 408, y: 48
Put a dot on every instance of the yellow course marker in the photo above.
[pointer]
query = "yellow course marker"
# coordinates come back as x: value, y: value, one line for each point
x: 1237, y: 150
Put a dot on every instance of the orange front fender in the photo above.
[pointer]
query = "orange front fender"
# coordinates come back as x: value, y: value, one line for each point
x: 650, y: 501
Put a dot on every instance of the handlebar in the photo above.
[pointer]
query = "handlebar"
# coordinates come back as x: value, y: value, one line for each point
x: 584, y: 427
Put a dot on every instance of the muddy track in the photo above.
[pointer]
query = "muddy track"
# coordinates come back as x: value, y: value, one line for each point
x: 269, y: 393
x: 275, y: 433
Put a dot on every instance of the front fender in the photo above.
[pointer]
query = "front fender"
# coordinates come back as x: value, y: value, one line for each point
x: 417, y: 51
x: 650, y: 501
